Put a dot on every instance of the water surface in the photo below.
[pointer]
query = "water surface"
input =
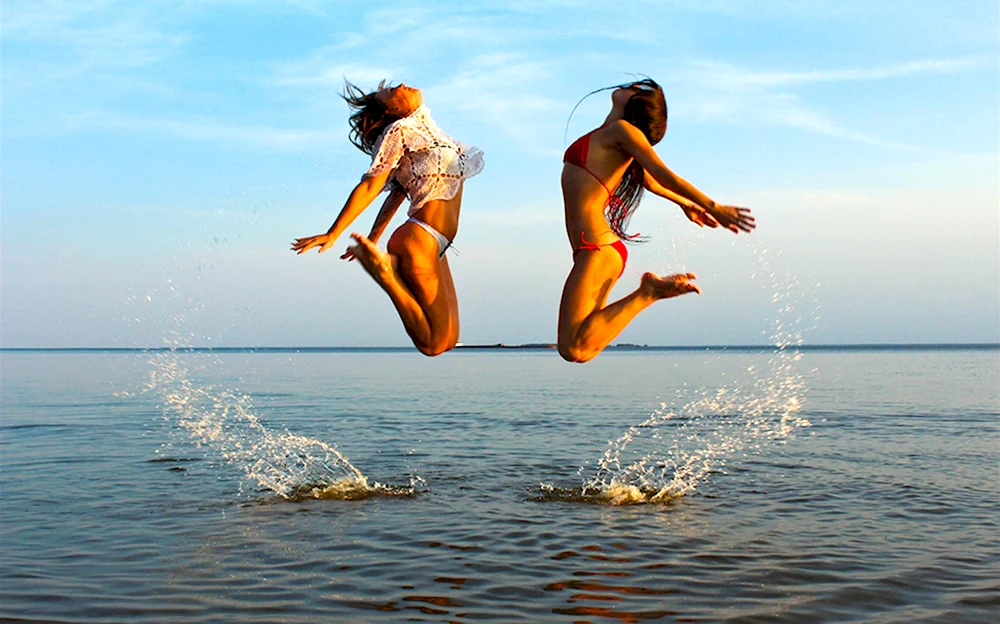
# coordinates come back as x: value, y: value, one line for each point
x: 876, y: 503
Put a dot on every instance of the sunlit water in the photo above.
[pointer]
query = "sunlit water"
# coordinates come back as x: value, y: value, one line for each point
x: 225, y: 423
x: 666, y: 454
x: 683, y: 442
x: 121, y: 503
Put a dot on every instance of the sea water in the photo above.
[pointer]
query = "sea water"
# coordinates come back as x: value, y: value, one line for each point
x: 356, y: 486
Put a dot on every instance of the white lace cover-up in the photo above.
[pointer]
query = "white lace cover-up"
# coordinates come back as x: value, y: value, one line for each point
x: 428, y: 163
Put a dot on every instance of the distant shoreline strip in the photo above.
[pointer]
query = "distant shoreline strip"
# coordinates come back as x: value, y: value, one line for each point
x: 519, y: 347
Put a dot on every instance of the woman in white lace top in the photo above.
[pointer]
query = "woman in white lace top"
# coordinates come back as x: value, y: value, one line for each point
x: 411, y: 157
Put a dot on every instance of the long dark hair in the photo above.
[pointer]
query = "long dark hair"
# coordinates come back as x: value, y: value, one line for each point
x: 370, y: 116
x: 647, y: 111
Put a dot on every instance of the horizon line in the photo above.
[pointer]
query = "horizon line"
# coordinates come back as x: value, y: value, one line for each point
x: 523, y: 346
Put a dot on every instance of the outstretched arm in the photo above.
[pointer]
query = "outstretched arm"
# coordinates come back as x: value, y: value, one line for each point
x: 387, y: 212
x: 694, y: 212
x: 385, y: 215
x: 633, y: 141
x: 362, y: 195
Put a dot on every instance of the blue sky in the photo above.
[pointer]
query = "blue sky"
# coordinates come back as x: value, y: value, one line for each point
x: 159, y: 157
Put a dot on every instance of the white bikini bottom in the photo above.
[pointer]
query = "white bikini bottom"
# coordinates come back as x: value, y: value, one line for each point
x: 442, y: 240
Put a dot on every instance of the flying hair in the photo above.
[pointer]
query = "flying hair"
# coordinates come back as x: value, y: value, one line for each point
x: 640, y: 79
x: 369, y: 116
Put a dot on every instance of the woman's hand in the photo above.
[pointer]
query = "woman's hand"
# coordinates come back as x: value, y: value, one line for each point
x: 733, y: 218
x: 360, y: 197
x: 323, y: 241
x: 698, y: 215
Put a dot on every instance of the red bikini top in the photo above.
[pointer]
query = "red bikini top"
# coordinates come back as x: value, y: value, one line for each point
x: 576, y: 154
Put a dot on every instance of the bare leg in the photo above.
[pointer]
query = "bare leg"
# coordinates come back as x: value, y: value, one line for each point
x: 418, y: 284
x: 586, y: 324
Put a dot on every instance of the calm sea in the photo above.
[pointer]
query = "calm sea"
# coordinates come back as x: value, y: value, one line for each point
x: 503, y: 485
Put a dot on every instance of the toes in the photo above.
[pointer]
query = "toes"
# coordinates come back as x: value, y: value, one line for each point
x: 358, y: 238
x: 363, y: 242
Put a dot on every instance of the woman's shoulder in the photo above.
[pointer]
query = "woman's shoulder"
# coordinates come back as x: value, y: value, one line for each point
x: 420, y: 116
x: 620, y: 127
x: 417, y: 122
x: 411, y: 133
x: 624, y: 135
x: 615, y: 134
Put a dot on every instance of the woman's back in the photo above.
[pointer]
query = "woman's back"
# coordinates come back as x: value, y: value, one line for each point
x: 593, y: 167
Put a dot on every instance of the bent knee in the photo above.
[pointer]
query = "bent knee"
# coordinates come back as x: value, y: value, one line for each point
x: 431, y: 350
x: 436, y: 345
x: 576, y: 354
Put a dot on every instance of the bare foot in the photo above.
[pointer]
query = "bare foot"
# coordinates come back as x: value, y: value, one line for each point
x: 376, y: 262
x: 670, y: 286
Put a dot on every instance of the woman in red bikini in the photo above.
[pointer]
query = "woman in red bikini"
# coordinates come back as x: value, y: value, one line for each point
x: 603, y: 178
x: 411, y: 157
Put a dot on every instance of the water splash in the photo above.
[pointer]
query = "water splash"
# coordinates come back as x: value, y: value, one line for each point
x: 680, y: 445
x: 704, y: 433
x: 223, y: 421
x: 292, y: 466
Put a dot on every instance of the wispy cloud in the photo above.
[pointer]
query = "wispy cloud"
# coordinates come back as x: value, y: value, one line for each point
x: 209, y: 131
x: 417, y: 30
x: 464, y: 61
x: 722, y: 92
x: 723, y: 75
x: 325, y: 69
x: 504, y: 91
x: 81, y: 36
x: 500, y: 63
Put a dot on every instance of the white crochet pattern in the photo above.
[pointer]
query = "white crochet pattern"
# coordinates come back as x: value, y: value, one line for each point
x: 428, y: 163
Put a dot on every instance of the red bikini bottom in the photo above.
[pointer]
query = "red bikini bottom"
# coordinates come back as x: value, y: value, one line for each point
x: 618, y: 246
